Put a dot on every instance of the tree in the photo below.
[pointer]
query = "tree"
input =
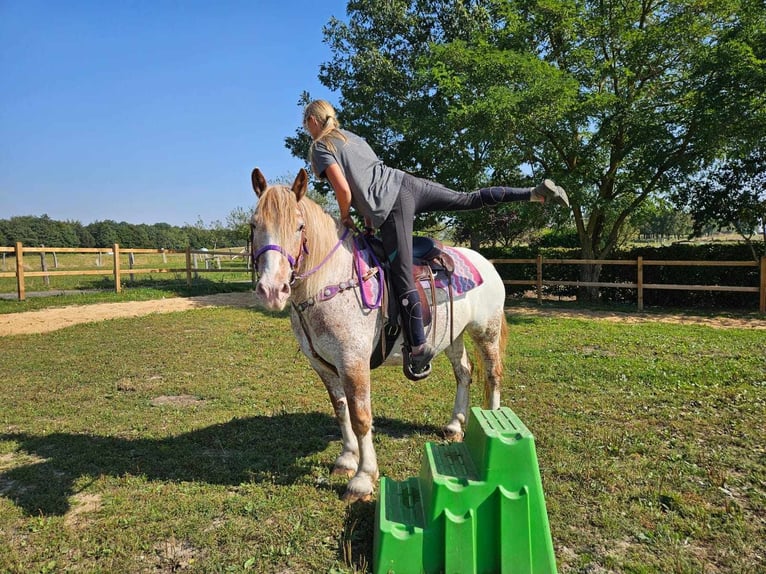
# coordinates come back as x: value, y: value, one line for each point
x: 104, y: 233
x: 616, y: 100
x: 731, y: 193
x: 658, y: 218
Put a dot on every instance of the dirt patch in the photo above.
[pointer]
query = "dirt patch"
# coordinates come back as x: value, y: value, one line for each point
x: 174, y: 555
x: 47, y: 320
x: 720, y: 322
x: 83, y: 504
x: 177, y: 401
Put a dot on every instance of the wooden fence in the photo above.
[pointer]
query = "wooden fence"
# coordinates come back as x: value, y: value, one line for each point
x: 539, y: 281
x: 191, y: 269
x: 211, y: 263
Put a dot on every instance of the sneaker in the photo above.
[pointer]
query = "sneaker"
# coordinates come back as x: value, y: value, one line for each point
x: 549, y: 191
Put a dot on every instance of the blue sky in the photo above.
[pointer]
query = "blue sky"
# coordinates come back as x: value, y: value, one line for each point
x: 155, y: 110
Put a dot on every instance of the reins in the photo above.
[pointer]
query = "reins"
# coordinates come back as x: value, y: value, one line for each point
x: 301, y: 276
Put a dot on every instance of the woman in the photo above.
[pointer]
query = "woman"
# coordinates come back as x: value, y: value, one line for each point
x: 389, y: 199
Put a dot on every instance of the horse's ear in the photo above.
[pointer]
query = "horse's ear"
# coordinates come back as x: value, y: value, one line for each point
x: 300, y: 185
x: 259, y: 182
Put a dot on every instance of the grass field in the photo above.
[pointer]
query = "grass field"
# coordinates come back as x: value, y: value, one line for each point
x: 202, y: 442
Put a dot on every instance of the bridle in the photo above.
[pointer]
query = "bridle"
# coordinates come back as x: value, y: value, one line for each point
x: 295, y: 261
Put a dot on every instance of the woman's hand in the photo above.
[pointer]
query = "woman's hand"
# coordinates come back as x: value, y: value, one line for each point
x: 348, y: 221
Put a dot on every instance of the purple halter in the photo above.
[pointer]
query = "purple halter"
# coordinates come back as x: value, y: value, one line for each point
x: 281, y: 250
x: 295, y: 261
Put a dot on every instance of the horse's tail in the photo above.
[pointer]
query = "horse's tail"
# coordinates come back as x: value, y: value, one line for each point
x: 480, y: 367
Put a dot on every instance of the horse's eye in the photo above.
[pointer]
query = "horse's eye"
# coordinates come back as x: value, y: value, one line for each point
x: 301, y: 227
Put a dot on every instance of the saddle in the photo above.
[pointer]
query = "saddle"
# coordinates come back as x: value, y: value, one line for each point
x: 429, y: 259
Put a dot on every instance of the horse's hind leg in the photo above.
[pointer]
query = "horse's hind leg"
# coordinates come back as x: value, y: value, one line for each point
x: 490, y: 340
x: 347, y: 462
x: 461, y: 366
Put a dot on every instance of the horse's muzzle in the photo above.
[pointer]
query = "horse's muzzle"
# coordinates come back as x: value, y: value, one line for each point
x: 271, y: 295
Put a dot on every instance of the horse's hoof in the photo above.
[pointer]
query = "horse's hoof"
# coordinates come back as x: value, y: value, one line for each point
x: 342, y: 471
x: 351, y: 498
x: 345, y: 465
x: 453, y: 435
x: 359, y: 488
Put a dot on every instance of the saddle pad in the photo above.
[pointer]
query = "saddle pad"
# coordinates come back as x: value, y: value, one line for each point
x: 364, y: 262
x: 465, y: 277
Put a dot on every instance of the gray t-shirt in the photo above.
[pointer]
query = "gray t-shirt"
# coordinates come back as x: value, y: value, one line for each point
x: 374, y: 186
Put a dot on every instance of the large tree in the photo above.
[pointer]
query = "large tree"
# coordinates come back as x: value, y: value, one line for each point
x: 616, y: 99
x: 730, y: 193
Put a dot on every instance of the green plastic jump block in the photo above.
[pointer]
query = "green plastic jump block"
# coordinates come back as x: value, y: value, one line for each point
x: 477, y: 506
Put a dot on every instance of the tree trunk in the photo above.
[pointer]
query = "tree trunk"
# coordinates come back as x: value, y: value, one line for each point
x: 588, y: 274
x: 475, y: 240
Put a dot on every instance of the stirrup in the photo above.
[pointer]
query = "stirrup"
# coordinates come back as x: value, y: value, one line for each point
x: 407, y: 365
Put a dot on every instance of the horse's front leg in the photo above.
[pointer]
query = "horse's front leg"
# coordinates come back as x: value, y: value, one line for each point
x: 356, y: 383
x: 461, y: 367
x: 348, y: 461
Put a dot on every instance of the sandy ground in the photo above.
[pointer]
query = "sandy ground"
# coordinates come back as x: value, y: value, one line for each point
x: 47, y: 320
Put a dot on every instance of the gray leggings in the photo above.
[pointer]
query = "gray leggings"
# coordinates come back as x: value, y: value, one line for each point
x: 418, y: 195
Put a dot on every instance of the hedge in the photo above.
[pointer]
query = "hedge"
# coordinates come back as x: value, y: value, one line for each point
x: 679, y: 275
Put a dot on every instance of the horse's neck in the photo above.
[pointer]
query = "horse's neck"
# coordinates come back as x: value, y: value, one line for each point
x: 337, y: 268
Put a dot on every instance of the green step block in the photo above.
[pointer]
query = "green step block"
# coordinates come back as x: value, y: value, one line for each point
x: 476, y: 507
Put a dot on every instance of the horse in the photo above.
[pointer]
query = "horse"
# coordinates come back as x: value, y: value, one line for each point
x: 299, y: 252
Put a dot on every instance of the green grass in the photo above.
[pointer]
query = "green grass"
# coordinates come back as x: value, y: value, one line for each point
x: 650, y: 440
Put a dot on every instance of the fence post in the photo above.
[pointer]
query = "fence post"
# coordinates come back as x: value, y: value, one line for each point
x: 20, y: 271
x: 131, y: 264
x: 539, y: 279
x: 640, y: 282
x: 188, y: 266
x: 763, y: 284
x: 44, y: 268
x: 117, y: 283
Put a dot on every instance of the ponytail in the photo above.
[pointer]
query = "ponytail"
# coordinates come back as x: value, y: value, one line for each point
x: 325, y: 116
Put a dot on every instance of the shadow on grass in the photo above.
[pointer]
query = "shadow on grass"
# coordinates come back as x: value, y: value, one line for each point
x: 268, y: 449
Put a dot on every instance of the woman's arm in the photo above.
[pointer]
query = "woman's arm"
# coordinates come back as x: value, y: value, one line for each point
x: 342, y: 192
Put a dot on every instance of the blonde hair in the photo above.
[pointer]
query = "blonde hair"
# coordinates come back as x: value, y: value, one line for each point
x: 325, y: 116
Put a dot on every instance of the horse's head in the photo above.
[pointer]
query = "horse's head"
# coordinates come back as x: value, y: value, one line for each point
x: 277, y: 231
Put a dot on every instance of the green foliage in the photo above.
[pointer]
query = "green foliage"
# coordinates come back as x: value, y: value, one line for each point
x: 658, y: 218
x: 617, y: 101
x: 35, y: 231
x: 662, y: 274
x: 730, y: 193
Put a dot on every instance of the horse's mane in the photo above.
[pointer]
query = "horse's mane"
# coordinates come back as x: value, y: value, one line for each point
x: 278, y: 206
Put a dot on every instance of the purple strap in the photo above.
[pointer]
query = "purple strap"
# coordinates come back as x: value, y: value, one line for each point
x: 271, y: 247
x: 358, y: 264
x: 327, y: 257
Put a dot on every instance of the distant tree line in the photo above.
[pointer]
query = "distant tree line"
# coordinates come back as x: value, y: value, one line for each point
x: 35, y: 231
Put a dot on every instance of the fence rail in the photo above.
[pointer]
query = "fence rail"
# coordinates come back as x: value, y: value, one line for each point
x: 639, y: 285
x: 190, y: 269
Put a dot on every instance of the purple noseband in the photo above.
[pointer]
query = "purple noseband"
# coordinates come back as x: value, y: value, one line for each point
x: 278, y: 248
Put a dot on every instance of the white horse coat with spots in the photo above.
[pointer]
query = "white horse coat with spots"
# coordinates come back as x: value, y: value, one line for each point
x: 298, y: 251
